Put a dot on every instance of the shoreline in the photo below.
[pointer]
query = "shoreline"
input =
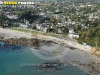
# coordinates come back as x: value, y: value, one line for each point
x: 7, y: 33
x: 75, y: 48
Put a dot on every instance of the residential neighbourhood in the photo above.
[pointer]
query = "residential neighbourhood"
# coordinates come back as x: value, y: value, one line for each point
x: 68, y: 18
x: 50, y: 37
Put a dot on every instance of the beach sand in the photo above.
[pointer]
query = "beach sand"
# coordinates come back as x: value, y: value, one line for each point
x: 80, y: 57
x: 7, y: 33
x: 75, y: 57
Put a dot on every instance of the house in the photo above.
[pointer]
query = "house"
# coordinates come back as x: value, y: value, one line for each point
x: 45, y: 29
x: 12, y: 16
x: 60, y: 30
x: 22, y: 25
x: 86, y: 44
x: 38, y: 26
x: 41, y: 13
x: 73, y: 35
x: 71, y: 30
x: 27, y: 22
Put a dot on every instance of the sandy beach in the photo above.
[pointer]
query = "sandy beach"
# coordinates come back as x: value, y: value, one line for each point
x: 7, y: 33
x: 80, y: 57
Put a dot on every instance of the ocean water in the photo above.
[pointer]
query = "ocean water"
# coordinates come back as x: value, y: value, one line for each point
x: 19, y: 60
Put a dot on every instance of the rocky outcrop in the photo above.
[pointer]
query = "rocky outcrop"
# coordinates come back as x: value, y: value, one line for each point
x: 96, y: 51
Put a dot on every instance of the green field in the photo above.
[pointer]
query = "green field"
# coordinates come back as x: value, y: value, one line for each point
x: 35, y: 32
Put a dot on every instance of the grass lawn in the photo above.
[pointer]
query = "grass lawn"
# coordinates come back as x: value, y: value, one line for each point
x: 35, y: 32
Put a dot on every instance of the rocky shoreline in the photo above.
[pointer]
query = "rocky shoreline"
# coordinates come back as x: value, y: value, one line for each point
x: 31, y: 42
x: 35, y: 42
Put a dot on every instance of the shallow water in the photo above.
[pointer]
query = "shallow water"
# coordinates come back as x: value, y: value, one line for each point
x: 23, y: 62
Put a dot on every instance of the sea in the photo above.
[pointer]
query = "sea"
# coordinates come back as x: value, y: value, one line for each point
x: 20, y: 60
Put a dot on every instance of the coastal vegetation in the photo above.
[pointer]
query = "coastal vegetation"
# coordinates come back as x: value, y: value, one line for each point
x: 91, y: 36
x: 34, y: 32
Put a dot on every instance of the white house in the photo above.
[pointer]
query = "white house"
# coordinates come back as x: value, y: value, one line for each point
x: 12, y: 16
x: 45, y: 29
x: 38, y: 26
x: 73, y: 35
x: 59, y: 31
x: 41, y: 13
x: 23, y: 25
x: 71, y: 31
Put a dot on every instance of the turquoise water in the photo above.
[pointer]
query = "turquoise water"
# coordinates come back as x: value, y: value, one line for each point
x: 23, y: 62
